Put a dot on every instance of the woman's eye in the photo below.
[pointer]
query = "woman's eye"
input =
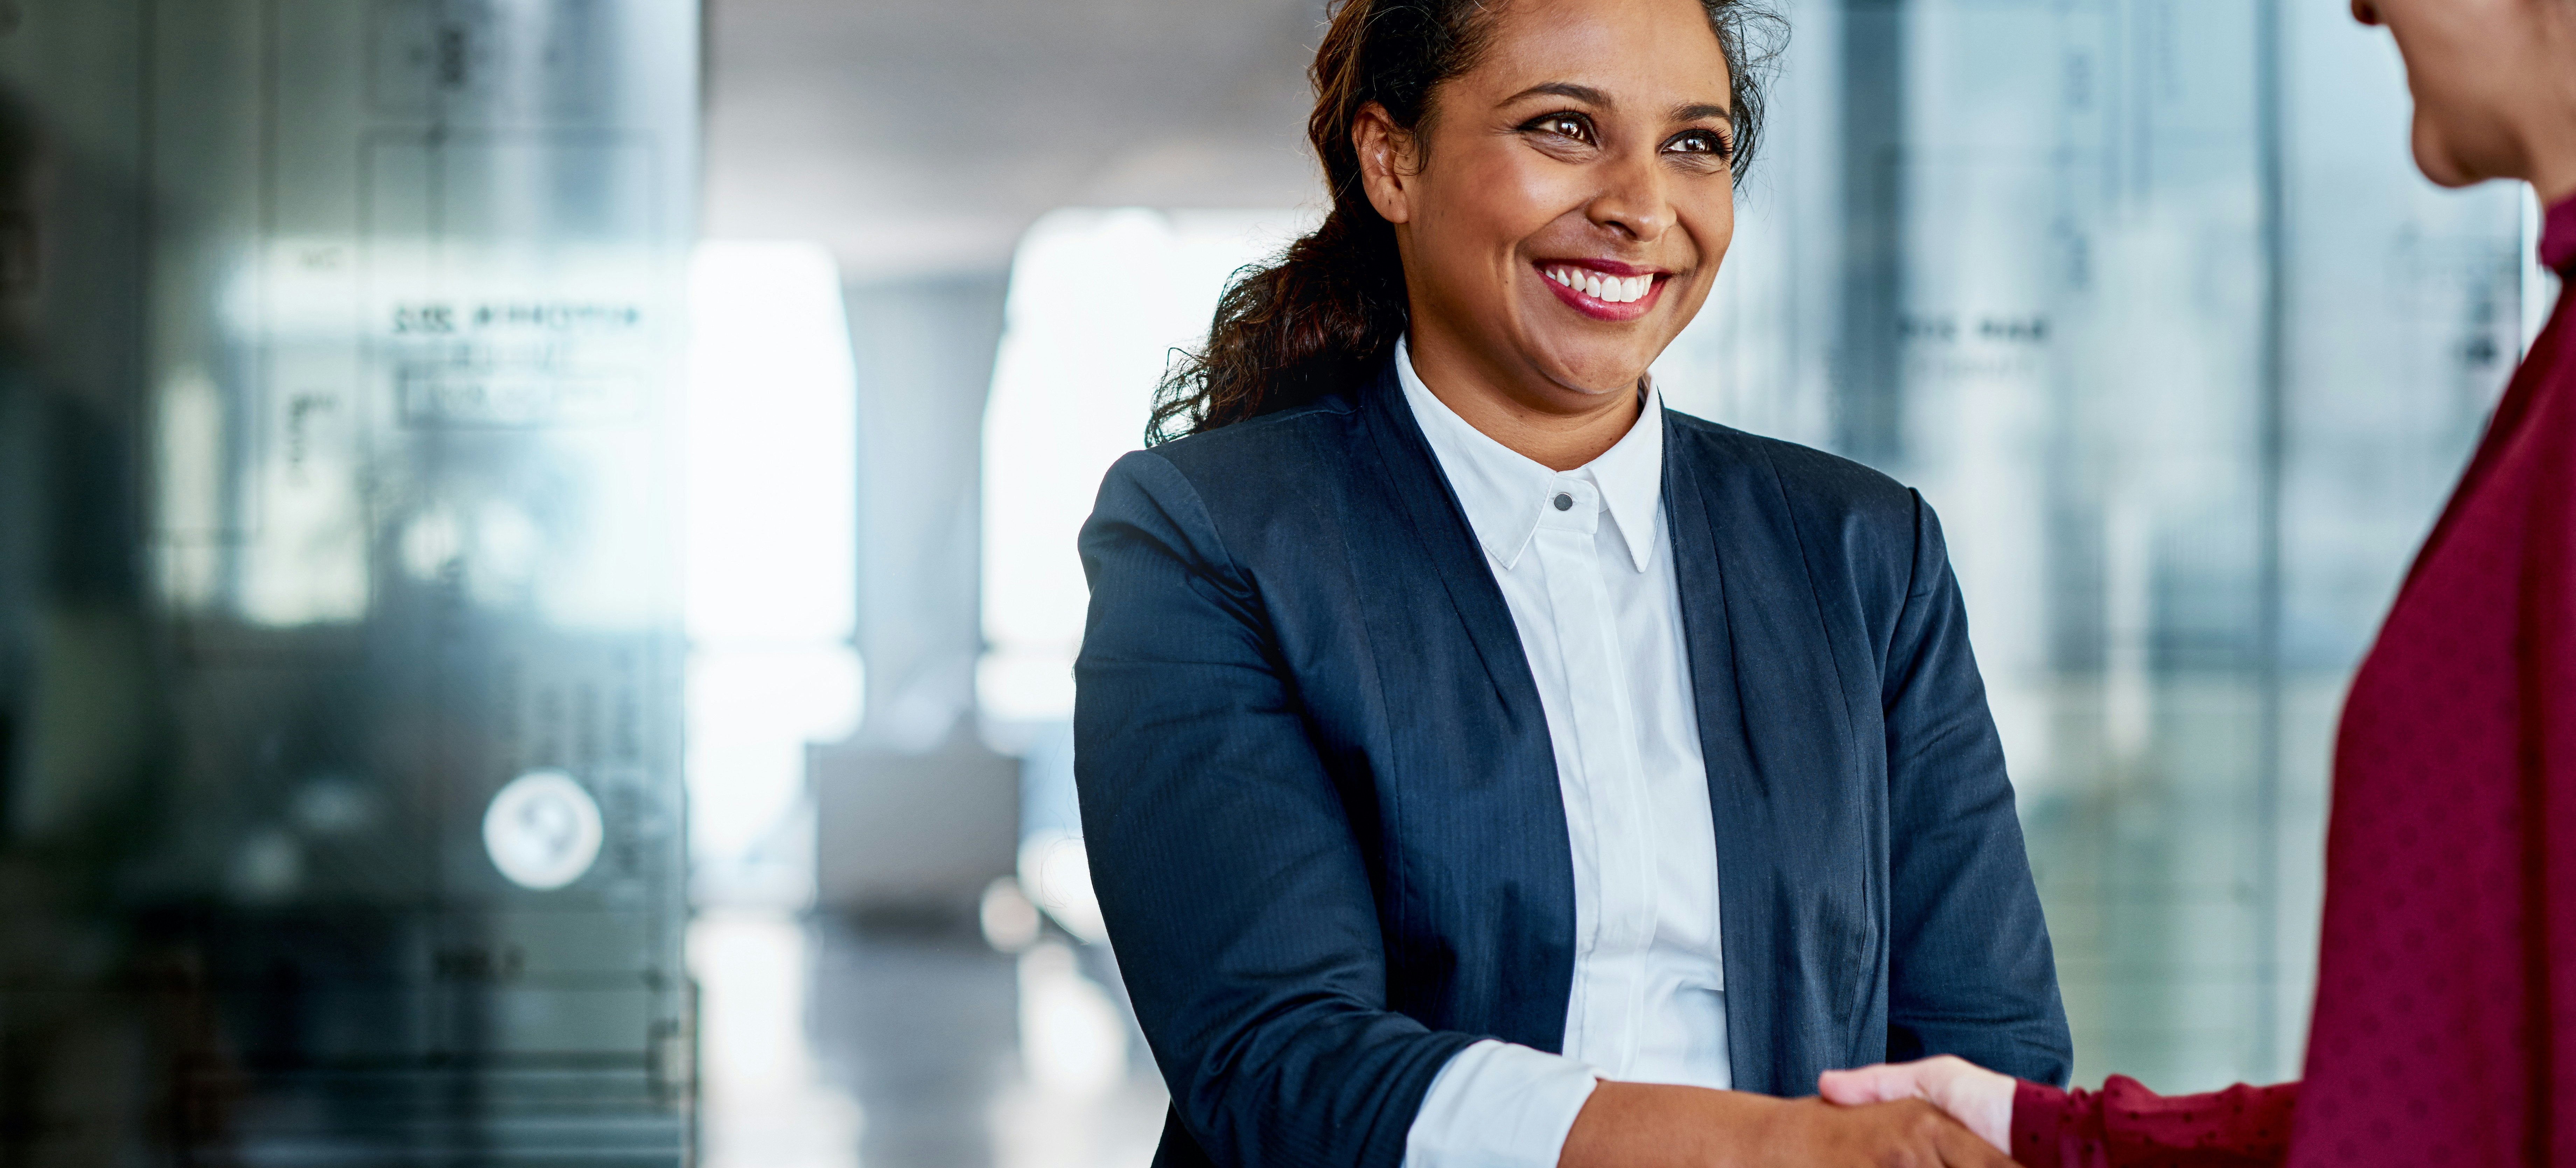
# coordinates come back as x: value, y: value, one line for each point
x: 1564, y: 126
x: 1699, y: 142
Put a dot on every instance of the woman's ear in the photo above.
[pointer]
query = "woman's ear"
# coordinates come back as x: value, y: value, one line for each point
x: 1386, y: 161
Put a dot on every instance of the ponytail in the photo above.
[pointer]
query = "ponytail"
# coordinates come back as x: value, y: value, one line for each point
x: 1332, y: 305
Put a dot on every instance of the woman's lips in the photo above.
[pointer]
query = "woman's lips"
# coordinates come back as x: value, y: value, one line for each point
x: 1603, y: 295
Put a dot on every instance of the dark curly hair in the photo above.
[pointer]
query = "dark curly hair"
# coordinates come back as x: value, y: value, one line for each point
x: 1333, y: 303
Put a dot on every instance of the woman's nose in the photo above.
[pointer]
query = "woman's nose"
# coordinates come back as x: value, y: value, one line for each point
x: 1634, y: 201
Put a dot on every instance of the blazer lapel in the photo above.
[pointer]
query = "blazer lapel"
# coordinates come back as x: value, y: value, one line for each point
x: 1483, y: 781
x: 1447, y: 540
x: 1770, y: 715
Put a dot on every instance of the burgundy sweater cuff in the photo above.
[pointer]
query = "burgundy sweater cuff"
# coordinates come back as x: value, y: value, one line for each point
x: 2039, y: 1121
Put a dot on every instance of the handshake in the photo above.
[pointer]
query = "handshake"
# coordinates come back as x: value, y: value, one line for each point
x: 1979, y: 1099
x: 1943, y: 1112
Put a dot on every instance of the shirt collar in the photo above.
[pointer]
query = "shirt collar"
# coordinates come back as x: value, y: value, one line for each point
x: 1502, y: 490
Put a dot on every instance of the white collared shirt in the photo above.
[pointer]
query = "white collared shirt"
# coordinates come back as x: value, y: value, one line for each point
x: 1586, y: 567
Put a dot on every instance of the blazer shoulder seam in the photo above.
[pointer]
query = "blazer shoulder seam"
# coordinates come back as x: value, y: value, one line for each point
x: 1251, y: 428
x: 1224, y: 560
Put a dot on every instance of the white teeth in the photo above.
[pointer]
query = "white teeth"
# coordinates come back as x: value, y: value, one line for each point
x: 1609, y: 289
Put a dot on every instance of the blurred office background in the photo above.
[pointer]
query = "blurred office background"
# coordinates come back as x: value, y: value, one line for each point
x: 536, y: 567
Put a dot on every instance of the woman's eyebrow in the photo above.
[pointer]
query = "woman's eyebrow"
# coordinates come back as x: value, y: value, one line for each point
x: 1565, y: 89
x: 1691, y: 111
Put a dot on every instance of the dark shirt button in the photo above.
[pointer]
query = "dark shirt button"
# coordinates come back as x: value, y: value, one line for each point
x: 1565, y: 502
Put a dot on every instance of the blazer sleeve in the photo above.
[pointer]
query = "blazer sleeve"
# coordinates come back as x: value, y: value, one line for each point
x: 1235, y: 889
x: 1970, y: 971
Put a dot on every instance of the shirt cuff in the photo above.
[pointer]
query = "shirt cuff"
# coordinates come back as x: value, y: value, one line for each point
x: 2039, y: 1123
x: 1496, y: 1105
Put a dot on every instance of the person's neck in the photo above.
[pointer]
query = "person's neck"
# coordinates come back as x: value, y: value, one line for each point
x: 1558, y: 428
x: 2553, y: 174
x: 2549, y: 151
x: 2549, y: 124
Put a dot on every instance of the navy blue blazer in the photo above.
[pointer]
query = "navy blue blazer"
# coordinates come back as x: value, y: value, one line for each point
x: 1322, y: 810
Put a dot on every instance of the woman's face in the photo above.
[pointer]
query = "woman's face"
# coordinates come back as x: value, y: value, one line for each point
x: 1574, y: 199
x: 2487, y: 76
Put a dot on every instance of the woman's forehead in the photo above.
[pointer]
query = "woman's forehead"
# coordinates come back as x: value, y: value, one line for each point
x: 1660, y: 53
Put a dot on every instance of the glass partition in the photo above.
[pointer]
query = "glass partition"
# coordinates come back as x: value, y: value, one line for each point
x: 2147, y: 299
x: 339, y: 668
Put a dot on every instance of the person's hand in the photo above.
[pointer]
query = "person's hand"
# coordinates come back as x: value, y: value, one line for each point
x: 1644, y: 1125
x: 1975, y: 1096
x: 1899, y: 1133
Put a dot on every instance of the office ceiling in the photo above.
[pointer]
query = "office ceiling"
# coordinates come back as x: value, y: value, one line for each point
x: 921, y: 137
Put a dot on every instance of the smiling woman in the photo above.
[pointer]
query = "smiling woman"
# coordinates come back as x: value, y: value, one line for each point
x: 1483, y: 765
x: 1334, y: 305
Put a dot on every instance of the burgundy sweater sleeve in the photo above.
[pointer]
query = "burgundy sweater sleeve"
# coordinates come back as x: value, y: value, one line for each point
x: 2124, y: 1125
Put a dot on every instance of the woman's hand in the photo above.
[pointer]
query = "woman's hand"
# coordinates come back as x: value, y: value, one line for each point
x: 1975, y: 1096
x: 1644, y: 1125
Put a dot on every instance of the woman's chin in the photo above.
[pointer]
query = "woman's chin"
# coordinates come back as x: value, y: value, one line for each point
x: 2439, y: 157
x: 1594, y: 374
x: 1587, y: 356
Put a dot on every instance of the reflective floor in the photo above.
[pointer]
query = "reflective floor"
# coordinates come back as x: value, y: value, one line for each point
x: 827, y: 1044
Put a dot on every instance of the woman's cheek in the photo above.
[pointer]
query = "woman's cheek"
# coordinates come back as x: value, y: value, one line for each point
x: 1527, y: 196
